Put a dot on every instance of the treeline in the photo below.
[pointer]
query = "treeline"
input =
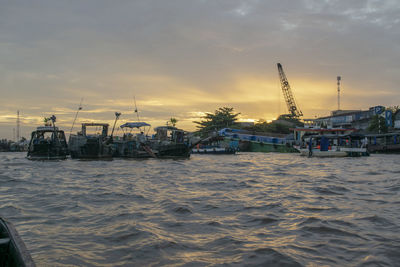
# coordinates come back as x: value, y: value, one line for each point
x: 226, y: 117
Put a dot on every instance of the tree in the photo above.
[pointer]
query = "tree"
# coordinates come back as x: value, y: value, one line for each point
x: 173, y: 121
x: 377, y: 125
x: 222, y: 118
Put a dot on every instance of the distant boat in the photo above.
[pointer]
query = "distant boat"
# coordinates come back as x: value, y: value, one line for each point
x: 13, y: 251
x: 94, y: 145
x: 334, y: 146
x: 252, y: 142
x: 314, y: 141
x: 47, y: 143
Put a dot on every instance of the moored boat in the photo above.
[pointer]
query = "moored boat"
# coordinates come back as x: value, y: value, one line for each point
x: 133, y: 145
x: 47, y: 143
x: 215, y: 145
x: 170, y: 142
x: 333, y: 146
x: 91, y: 144
x: 251, y: 142
x: 13, y: 251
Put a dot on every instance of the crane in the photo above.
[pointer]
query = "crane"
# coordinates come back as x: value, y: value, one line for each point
x: 287, y: 92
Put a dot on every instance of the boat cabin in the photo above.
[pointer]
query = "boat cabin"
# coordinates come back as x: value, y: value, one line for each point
x: 94, y: 129
x: 47, y: 143
x: 170, y: 133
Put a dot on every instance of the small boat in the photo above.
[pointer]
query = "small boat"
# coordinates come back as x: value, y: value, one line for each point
x: 136, y: 145
x: 170, y: 142
x: 333, y: 146
x: 89, y: 144
x: 13, y: 251
x: 47, y: 143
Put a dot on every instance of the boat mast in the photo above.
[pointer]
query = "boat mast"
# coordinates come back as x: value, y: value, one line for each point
x: 76, y: 115
x: 117, y: 114
x: 53, y: 119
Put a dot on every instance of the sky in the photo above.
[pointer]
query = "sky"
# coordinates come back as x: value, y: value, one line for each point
x: 182, y: 58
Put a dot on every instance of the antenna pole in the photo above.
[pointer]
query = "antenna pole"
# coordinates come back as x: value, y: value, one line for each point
x: 17, y: 126
x: 136, y: 110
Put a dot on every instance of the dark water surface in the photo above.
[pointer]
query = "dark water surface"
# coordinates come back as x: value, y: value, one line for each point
x: 249, y: 209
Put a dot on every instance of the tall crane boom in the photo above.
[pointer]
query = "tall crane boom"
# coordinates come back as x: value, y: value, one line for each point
x: 287, y: 92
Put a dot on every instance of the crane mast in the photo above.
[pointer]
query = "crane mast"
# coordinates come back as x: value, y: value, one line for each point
x: 287, y: 92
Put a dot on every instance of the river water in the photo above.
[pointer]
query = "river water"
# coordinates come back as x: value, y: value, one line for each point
x: 255, y: 209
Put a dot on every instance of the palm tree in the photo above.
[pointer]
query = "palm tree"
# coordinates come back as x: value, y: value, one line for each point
x: 173, y: 121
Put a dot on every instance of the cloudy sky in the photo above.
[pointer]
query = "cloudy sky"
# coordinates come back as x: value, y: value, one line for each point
x: 181, y: 58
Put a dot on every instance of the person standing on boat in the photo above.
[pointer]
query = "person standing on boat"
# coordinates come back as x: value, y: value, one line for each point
x: 364, y: 142
x: 310, y: 147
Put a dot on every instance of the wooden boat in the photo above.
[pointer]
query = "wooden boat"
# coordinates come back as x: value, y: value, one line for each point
x: 170, y: 142
x: 47, y: 143
x: 136, y: 145
x: 91, y: 145
x: 13, y: 251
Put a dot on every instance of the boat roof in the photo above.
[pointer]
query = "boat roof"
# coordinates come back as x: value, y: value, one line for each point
x: 166, y: 128
x: 95, y: 124
x: 321, y: 129
x: 134, y: 124
x: 334, y: 136
x: 46, y: 129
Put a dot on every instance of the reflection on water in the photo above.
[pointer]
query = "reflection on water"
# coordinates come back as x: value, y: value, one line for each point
x: 251, y: 208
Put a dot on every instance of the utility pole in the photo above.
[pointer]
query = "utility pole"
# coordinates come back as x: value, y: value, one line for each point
x: 17, y: 126
x: 338, y: 92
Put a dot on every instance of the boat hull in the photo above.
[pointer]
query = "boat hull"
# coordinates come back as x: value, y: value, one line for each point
x: 89, y: 148
x: 172, y: 151
x: 322, y: 154
x: 255, y: 146
x: 217, y: 151
x: 130, y: 149
x: 13, y: 251
x: 343, y: 152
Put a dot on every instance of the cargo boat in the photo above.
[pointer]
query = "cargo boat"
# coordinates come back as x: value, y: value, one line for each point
x: 95, y: 145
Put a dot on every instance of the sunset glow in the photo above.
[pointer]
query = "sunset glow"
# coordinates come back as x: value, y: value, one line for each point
x: 185, y: 59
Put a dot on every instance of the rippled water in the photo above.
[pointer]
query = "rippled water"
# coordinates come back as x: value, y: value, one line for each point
x: 233, y: 210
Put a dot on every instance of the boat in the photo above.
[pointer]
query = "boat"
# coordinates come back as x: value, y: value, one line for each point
x: 383, y: 143
x: 316, y: 141
x: 47, y: 142
x: 170, y: 142
x: 133, y: 145
x: 351, y: 145
x: 13, y: 251
x: 215, y: 145
x: 257, y: 142
x: 89, y: 144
